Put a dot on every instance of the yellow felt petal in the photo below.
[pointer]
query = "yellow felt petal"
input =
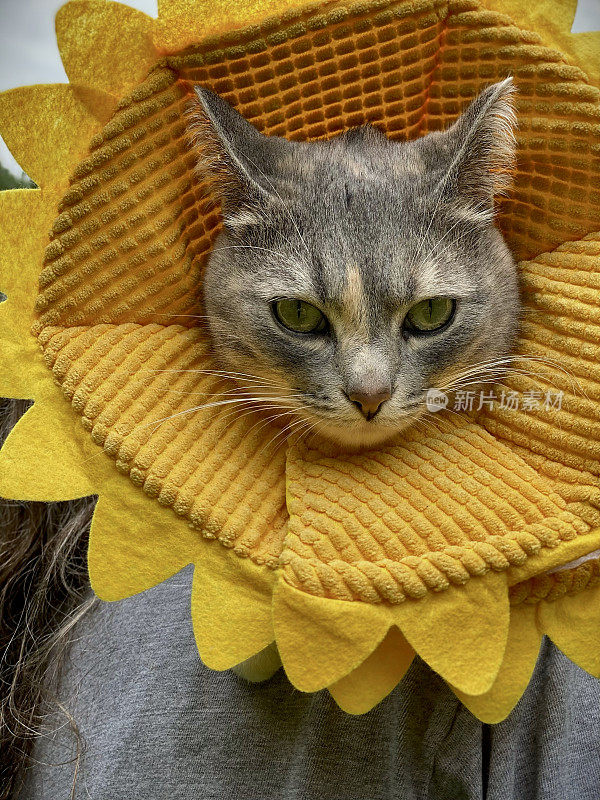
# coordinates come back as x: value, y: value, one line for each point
x: 22, y: 368
x: 105, y: 45
x: 584, y: 48
x: 231, y: 606
x: 461, y: 632
x: 321, y: 640
x: 522, y: 647
x: 48, y: 129
x: 15, y: 323
x: 42, y: 456
x: 364, y: 687
x: 26, y: 217
x: 135, y: 543
x: 184, y: 22
x: 573, y: 624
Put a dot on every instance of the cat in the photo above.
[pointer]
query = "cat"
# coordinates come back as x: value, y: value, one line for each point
x: 356, y: 273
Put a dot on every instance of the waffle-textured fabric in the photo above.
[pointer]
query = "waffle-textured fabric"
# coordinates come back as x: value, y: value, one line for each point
x: 442, y: 542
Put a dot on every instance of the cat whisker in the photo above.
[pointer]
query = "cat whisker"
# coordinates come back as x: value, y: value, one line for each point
x: 203, y: 407
x: 289, y: 213
x: 284, y: 433
x: 281, y: 412
x: 238, y: 391
x: 174, y: 314
x: 301, y: 428
x: 285, y: 403
x: 315, y: 425
x: 510, y: 359
x: 251, y: 410
x: 268, y: 421
x: 215, y: 372
x: 507, y: 373
x: 446, y: 234
x: 427, y: 425
x: 304, y: 433
x: 262, y: 422
x: 503, y: 375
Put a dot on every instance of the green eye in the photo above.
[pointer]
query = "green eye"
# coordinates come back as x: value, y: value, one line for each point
x: 299, y: 316
x: 430, y: 314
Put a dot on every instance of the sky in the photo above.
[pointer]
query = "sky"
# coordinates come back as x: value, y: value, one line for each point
x: 28, y: 51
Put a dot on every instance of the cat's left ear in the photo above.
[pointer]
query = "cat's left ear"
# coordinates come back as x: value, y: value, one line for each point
x: 479, y: 149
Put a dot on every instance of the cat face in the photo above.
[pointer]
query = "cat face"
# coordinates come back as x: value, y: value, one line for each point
x: 354, y: 274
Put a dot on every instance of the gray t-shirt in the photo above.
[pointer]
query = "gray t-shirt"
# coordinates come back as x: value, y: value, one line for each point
x: 158, y: 724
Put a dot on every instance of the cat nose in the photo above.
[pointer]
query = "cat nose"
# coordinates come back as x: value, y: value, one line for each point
x: 370, y: 402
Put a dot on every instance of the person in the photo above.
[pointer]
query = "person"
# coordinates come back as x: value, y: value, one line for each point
x: 110, y: 701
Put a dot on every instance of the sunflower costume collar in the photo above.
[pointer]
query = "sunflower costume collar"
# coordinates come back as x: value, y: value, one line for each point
x: 462, y: 545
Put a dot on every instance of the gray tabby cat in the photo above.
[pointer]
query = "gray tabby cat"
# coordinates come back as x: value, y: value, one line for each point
x: 355, y: 273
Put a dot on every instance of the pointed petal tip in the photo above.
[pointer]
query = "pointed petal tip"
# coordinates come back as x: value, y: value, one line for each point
x: 460, y: 632
x: 231, y: 606
x: 105, y: 46
x: 47, y: 128
x: 322, y: 640
x: 522, y: 648
x: 131, y: 549
x: 39, y: 463
x: 367, y: 685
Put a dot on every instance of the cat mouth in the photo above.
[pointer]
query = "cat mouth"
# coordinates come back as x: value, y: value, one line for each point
x: 376, y: 419
x: 363, y: 433
x: 326, y: 412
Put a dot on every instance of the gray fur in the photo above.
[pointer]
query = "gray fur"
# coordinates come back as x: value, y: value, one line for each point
x: 361, y: 227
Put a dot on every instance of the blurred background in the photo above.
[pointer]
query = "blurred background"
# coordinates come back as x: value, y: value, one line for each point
x: 28, y: 52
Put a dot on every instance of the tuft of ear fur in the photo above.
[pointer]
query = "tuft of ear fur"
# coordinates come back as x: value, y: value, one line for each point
x: 233, y: 157
x: 212, y: 166
x: 482, y: 146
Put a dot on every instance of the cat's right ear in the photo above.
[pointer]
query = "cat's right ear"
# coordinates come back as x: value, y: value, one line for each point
x: 233, y: 157
x: 477, y: 154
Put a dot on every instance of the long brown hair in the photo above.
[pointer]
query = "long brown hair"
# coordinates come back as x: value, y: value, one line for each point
x: 44, y: 592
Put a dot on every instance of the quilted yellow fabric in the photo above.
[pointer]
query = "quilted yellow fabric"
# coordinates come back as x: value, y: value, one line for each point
x: 460, y: 542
